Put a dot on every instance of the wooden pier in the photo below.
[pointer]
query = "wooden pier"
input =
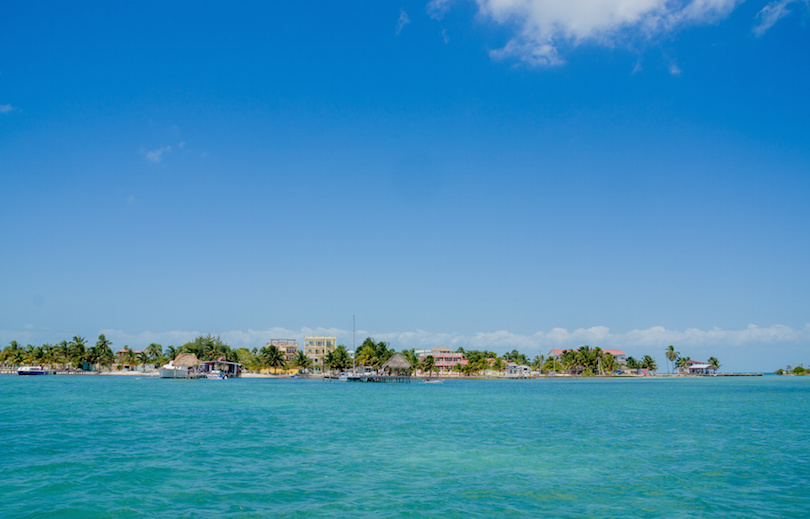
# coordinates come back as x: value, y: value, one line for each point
x: 367, y: 377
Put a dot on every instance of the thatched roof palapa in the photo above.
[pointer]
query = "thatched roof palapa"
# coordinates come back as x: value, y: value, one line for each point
x: 397, y: 361
x: 186, y: 360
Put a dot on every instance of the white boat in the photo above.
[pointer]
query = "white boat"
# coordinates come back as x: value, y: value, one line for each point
x: 171, y: 371
x: 220, y: 369
x: 434, y: 381
x: 216, y: 374
x: 32, y: 370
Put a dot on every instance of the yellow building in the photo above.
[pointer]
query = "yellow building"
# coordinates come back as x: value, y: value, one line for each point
x: 316, y: 348
x: 288, y: 347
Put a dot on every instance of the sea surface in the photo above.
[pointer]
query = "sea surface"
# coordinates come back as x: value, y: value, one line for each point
x: 103, y: 446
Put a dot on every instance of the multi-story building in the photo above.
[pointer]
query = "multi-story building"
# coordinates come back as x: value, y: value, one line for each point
x: 444, y: 357
x: 316, y: 348
x: 289, y: 347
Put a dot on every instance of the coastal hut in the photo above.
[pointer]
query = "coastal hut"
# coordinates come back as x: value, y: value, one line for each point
x: 187, y: 360
x: 397, y: 364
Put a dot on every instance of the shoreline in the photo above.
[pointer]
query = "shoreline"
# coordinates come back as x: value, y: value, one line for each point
x: 319, y: 376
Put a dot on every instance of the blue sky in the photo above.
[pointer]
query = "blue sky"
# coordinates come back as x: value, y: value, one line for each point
x: 493, y: 174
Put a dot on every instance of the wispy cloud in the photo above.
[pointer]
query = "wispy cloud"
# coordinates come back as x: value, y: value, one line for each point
x: 436, y: 9
x: 4, y: 109
x: 403, y: 20
x: 157, y: 155
x: 541, y: 28
x: 674, y: 69
x: 502, y: 340
x: 771, y: 13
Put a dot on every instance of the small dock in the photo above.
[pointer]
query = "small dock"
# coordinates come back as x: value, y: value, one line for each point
x: 367, y: 377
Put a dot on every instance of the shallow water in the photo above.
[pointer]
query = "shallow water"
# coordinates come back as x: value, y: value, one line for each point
x: 98, y: 446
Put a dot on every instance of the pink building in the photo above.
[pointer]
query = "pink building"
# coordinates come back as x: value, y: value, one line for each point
x: 445, y: 358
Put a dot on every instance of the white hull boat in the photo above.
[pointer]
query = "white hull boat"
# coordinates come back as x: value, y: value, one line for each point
x: 32, y: 370
x: 216, y: 375
x: 171, y: 371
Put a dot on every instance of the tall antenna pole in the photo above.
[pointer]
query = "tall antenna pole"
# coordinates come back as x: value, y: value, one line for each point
x: 354, y: 348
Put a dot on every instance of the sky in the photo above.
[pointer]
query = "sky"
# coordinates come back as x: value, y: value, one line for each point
x: 490, y: 174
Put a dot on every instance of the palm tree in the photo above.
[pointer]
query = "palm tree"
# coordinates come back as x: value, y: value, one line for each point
x: 372, y: 353
x: 341, y: 358
x: 102, y: 351
x: 12, y: 353
x: 78, y: 351
x: 272, y: 357
x: 144, y: 358
x: 649, y: 363
x: 682, y: 362
x: 129, y: 357
x: 412, y: 357
x: 429, y: 364
x: 302, y: 362
x: 608, y: 362
x: 499, y: 365
x: 154, y: 350
x: 63, y: 353
x: 671, y: 355
x: 714, y: 363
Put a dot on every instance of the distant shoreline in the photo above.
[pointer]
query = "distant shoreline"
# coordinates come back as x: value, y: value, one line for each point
x: 155, y: 374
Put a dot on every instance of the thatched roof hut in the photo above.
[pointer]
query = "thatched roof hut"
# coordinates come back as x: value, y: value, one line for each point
x: 186, y: 360
x: 397, y: 363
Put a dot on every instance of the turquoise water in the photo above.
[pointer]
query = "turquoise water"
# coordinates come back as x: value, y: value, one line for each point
x: 97, y: 446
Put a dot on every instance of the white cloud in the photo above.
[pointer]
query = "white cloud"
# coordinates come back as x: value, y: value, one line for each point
x: 499, y: 341
x: 402, y: 21
x: 674, y: 69
x: 438, y: 8
x: 542, y: 27
x: 6, y: 108
x: 157, y: 155
x: 445, y: 37
x: 770, y: 14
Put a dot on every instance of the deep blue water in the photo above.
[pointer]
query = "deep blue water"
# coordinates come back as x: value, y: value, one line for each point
x: 100, y: 446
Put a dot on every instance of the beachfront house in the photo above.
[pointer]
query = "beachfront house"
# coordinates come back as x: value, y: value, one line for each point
x: 444, y: 357
x: 514, y: 370
x: 695, y: 367
x: 121, y: 358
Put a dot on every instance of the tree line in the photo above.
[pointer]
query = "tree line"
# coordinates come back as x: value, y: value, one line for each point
x: 77, y: 353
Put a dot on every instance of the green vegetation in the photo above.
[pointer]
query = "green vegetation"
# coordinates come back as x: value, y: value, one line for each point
x: 76, y: 354
x: 428, y: 365
x: 671, y: 355
x: 338, y: 359
x: 798, y: 370
x: 373, y: 354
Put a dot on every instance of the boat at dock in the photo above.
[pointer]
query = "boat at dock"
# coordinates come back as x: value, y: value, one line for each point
x: 32, y: 370
x: 171, y: 371
x: 220, y: 369
x: 216, y: 374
